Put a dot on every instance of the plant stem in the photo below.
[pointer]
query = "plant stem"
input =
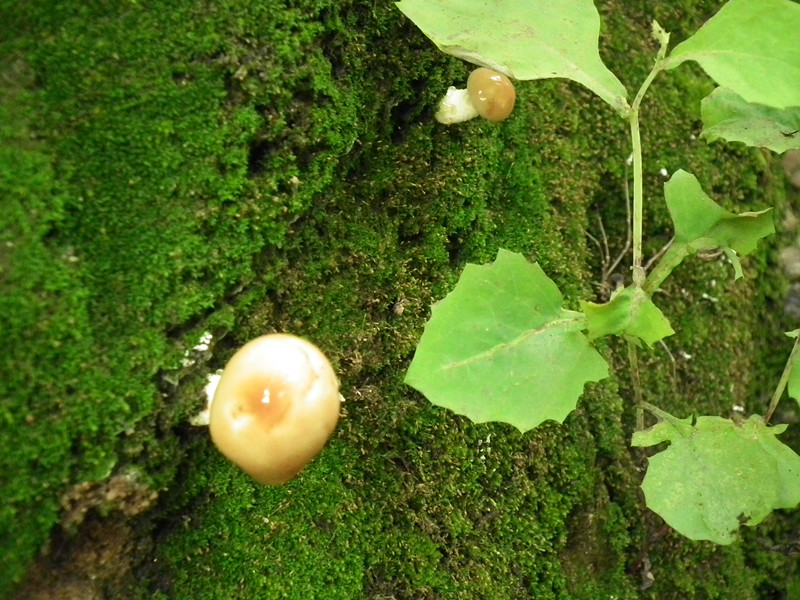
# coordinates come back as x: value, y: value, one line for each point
x: 787, y: 370
x: 638, y: 180
x: 638, y: 206
x: 633, y: 359
x: 638, y: 216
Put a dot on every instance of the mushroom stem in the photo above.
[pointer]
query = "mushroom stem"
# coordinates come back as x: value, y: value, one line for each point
x: 455, y: 107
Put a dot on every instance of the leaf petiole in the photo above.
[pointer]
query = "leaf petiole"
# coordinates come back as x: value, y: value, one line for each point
x: 661, y: 415
x: 674, y: 255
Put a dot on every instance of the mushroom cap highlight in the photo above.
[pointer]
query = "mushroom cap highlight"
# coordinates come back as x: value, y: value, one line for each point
x: 491, y: 93
x: 276, y: 405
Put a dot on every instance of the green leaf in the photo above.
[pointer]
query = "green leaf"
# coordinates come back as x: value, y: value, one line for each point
x: 750, y: 47
x: 701, y: 223
x: 630, y: 311
x: 536, y: 39
x: 716, y: 474
x: 727, y: 116
x: 500, y: 347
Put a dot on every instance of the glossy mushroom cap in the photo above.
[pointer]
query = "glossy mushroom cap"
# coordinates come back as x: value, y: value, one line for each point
x: 491, y: 93
x: 275, y: 407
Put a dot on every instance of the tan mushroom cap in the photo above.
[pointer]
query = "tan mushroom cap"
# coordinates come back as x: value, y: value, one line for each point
x: 491, y: 93
x: 275, y: 407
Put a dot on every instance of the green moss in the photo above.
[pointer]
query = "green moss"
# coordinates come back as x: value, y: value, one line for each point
x: 241, y: 168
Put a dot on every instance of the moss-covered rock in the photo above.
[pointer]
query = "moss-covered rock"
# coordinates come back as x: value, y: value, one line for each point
x: 169, y: 169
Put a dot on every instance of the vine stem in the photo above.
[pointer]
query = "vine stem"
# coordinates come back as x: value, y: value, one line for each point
x: 638, y: 216
x: 638, y: 205
x: 638, y: 179
x: 633, y: 359
x: 787, y: 370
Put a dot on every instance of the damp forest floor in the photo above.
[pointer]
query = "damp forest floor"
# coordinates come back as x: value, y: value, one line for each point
x: 172, y: 168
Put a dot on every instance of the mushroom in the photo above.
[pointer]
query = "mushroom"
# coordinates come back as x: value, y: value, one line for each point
x: 275, y: 406
x: 489, y: 94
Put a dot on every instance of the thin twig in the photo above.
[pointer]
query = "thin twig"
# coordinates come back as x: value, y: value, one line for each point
x: 659, y: 254
x: 629, y: 230
x: 674, y: 364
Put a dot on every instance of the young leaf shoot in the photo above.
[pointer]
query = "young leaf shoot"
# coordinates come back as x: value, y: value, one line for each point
x: 701, y: 224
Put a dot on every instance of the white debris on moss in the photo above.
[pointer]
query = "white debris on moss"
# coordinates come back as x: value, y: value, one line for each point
x: 202, y: 346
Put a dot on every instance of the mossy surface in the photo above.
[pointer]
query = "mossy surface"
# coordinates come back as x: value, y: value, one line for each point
x: 239, y: 167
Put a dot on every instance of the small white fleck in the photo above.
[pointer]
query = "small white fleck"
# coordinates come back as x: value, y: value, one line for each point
x: 664, y: 172
x: 738, y: 408
x: 685, y: 355
x: 201, y: 346
x: 204, y: 342
x: 265, y: 397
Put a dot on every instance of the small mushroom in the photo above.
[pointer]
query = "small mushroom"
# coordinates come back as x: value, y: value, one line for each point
x: 489, y: 94
x: 275, y: 406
